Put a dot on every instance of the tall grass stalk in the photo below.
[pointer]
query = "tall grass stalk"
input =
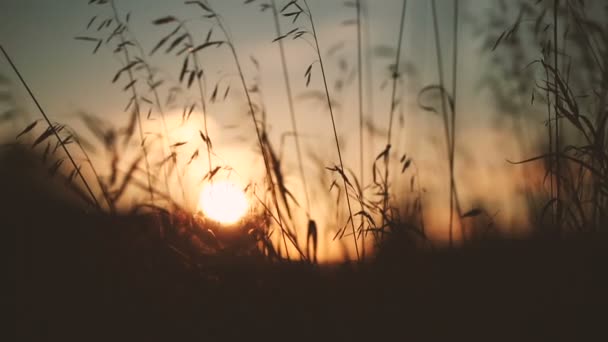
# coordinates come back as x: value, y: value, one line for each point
x: 200, y: 81
x: 556, y: 116
x: 166, y: 137
x: 104, y: 190
x: 594, y: 49
x: 52, y: 128
x: 294, y: 125
x: 446, y: 122
x: 370, y: 106
x: 201, y: 90
x: 395, y: 76
x: 360, y: 89
x: 360, y: 104
x: 284, y: 231
x: 453, y: 118
x: 369, y: 73
x: 333, y: 123
x: 136, y: 103
x: 550, y: 135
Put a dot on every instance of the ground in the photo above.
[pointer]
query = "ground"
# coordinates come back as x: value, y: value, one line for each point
x: 85, y: 276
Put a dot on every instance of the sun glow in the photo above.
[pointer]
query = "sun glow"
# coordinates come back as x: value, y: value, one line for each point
x: 223, y: 201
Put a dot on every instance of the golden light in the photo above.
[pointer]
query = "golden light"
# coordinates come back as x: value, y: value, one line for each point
x: 223, y: 201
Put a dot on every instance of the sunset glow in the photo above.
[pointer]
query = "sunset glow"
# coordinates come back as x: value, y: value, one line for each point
x: 223, y: 201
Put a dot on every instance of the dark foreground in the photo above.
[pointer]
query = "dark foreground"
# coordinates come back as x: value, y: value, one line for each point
x: 88, y: 277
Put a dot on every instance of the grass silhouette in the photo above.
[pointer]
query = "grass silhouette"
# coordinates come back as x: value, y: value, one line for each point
x: 96, y: 262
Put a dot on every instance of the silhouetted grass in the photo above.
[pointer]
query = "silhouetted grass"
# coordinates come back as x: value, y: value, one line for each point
x: 154, y: 268
x: 98, y: 277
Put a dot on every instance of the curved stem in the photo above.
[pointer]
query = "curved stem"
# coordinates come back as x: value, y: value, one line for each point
x: 52, y: 128
x: 557, y: 105
x: 453, y: 118
x: 294, y: 125
x: 389, y: 136
x: 360, y: 98
x: 161, y: 110
x: 135, y: 103
x: 259, y: 136
x: 333, y: 123
x: 446, y: 124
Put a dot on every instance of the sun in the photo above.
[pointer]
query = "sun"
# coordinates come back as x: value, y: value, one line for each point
x: 223, y: 201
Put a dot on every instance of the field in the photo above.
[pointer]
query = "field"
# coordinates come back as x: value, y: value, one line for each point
x: 304, y: 190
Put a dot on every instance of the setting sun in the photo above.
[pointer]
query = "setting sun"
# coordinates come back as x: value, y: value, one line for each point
x: 223, y: 201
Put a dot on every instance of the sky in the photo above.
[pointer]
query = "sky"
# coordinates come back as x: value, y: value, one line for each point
x: 40, y: 36
x: 67, y: 78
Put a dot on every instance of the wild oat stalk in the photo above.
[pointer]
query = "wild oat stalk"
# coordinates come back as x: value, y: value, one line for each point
x: 360, y: 89
x: 360, y: 104
x: 447, y: 123
x: 294, y: 126
x: 575, y: 169
x: 187, y: 40
x: 369, y: 72
x: 51, y: 127
x: 333, y: 122
x: 593, y: 49
x: 395, y: 76
x: 556, y: 116
x: 453, y: 118
x: 201, y: 89
x: 168, y: 144
x: 294, y: 10
x: 104, y: 191
x: 210, y: 13
x: 135, y: 97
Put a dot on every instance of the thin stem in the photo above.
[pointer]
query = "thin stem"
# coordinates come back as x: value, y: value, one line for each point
x: 201, y: 90
x: 360, y: 88
x: 446, y: 121
x: 361, y: 140
x: 550, y: 131
x: 587, y: 36
x: 557, y: 105
x: 52, y: 128
x: 369, y: 83
x: 294, y: 125
x: 104, y: 191
x: 370, y: 76
x: 453, y: 118
x: 135, y: 101
x: 258, y: 134
x: 395, y: 76
x: 333, y: 123
x: 161, y: 110
x: 391, y: 116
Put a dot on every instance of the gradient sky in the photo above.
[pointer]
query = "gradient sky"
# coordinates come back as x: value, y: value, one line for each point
x: 66, y: 77
x: 39, y: 35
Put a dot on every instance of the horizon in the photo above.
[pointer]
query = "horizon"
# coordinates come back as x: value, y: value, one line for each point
x: 68, y: 80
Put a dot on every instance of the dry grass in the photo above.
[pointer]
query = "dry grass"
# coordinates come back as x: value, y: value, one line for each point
x: 112, y: 249
x: 576, y: 155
